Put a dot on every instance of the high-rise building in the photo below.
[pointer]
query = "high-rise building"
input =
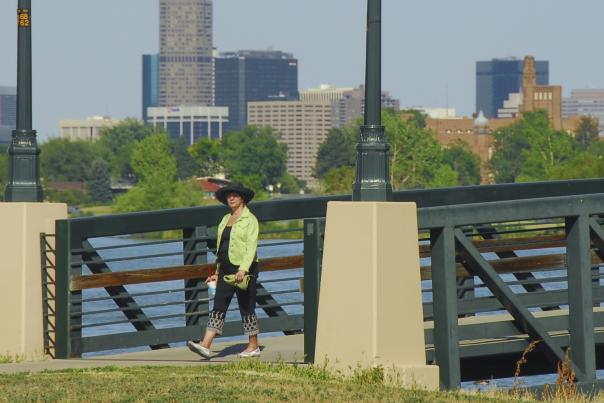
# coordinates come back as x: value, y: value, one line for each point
x: 186, y: 68
x: 303, y: 126
x: 498, y: 78
x: 8, y: 113
x: 347, y: 103
x: 586, y: 102
x: 85, y: 129
x: 150, y: 83
x: 253, y: 75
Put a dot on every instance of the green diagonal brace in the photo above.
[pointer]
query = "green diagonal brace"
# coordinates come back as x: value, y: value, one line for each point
x: 524, y: 320
x: 133, y: 310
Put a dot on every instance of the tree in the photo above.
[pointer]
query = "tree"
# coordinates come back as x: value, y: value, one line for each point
x: 254, y: 157
x: 289, y: 184
x: 157, y: 187
x: 511, y: 142
x: 155, y: 169
x: 206, y: 154
x: 587, y: 131
x: 338, y: 149
x: 583, y: 165
x: 186, y: 166
x: 415, y: 154
x: 467, y: 165
x: 445, y: 176
x: 338, y: 180
x: 99, y: 185
x: 116, y: 144
x: 65, y: 160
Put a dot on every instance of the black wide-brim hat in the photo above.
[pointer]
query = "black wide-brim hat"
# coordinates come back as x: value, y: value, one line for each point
x: 246, y: 194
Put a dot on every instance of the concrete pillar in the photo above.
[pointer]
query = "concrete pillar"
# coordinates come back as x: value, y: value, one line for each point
x: 21, y: 278
x: 370, y: 303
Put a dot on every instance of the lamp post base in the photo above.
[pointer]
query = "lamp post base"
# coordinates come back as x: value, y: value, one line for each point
x: 372, y: 181
x: 23, y: 168
x: 23, y: 193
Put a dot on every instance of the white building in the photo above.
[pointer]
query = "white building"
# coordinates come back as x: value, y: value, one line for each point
x: 190, y: 122
x: 437, y: 113
x: 347, y: 103
x: 511, y: 106
x: 85, y: 129
x: 588, y: 102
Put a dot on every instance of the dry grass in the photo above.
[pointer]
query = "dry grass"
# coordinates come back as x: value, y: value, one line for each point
x: 248, y: 381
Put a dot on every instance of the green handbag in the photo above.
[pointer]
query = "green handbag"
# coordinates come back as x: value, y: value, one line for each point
x: 231, y: 280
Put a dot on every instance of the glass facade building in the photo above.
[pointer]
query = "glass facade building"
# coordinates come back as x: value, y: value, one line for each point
x: 186, y: 69
x: 150, y: 83
x: 8, y: 113
x: 498, y: 78
x: 253, y: 75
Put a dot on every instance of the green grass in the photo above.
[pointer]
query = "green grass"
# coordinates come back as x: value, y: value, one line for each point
x: 11, y: 358
x: 246, y: 381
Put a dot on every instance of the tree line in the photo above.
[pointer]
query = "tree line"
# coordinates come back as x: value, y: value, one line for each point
x: 417, y: 159
x: 159, y: 169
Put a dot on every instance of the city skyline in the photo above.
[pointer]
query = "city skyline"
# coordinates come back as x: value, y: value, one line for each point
x: 91, y: 65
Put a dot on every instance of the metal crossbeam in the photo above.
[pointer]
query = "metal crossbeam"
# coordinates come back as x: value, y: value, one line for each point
x: 523, y: 318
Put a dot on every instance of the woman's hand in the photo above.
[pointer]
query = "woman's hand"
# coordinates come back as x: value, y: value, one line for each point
x: 239, y: 276
x: 213, y: 277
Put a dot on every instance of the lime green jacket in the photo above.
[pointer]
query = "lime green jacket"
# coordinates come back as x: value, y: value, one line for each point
x: 244, y: 239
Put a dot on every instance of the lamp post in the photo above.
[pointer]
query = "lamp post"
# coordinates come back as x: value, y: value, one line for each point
x: 24, y: 161
x: 372, y: 182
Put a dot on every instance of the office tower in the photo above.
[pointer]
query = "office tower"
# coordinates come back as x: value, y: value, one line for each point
x: 189, y: 122
x: 8, y: 113
x: 585, y: 102
x: 498, y: 78
x: 150, y: 83
x: 186, y: 69
x: 347, y: 103
x: 85, y: 129
x: 303, y: 126
x: 253, y: 75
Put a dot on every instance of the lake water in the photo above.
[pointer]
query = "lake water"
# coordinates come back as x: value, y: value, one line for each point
x: 173, y: 257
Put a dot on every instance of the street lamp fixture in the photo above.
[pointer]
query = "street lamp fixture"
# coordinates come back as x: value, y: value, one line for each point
x: 24, y: 154
x: 372, y: 181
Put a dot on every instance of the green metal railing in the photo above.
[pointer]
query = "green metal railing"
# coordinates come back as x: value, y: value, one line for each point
x: 444, y: 216
x: 533, y: 269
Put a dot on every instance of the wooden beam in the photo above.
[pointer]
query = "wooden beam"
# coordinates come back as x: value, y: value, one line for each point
x: 185, y: 272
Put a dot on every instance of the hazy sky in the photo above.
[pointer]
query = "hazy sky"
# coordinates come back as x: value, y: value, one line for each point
x: 87, y: 54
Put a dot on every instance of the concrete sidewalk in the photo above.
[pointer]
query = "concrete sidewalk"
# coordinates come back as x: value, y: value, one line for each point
x: 282, y: 348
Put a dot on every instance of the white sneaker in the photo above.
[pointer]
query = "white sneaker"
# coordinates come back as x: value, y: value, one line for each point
x: 197, y: 348
x: 248, y: 354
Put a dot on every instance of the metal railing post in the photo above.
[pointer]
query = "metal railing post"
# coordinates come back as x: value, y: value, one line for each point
x: 444, y: 292
x: 62, y: 292
x: 195, y: 250
x: 580, y: 297
x: 313, y: 252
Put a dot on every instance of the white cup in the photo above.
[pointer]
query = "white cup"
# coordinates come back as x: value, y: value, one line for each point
x: 212, y: 288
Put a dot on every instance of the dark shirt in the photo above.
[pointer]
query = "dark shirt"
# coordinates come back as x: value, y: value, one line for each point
x: 226, y: 267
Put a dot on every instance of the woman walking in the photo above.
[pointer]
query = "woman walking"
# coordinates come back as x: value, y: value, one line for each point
x: 237, y: 264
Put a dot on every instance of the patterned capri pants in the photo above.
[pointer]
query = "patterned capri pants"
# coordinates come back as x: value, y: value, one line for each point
x: 247, y: 305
